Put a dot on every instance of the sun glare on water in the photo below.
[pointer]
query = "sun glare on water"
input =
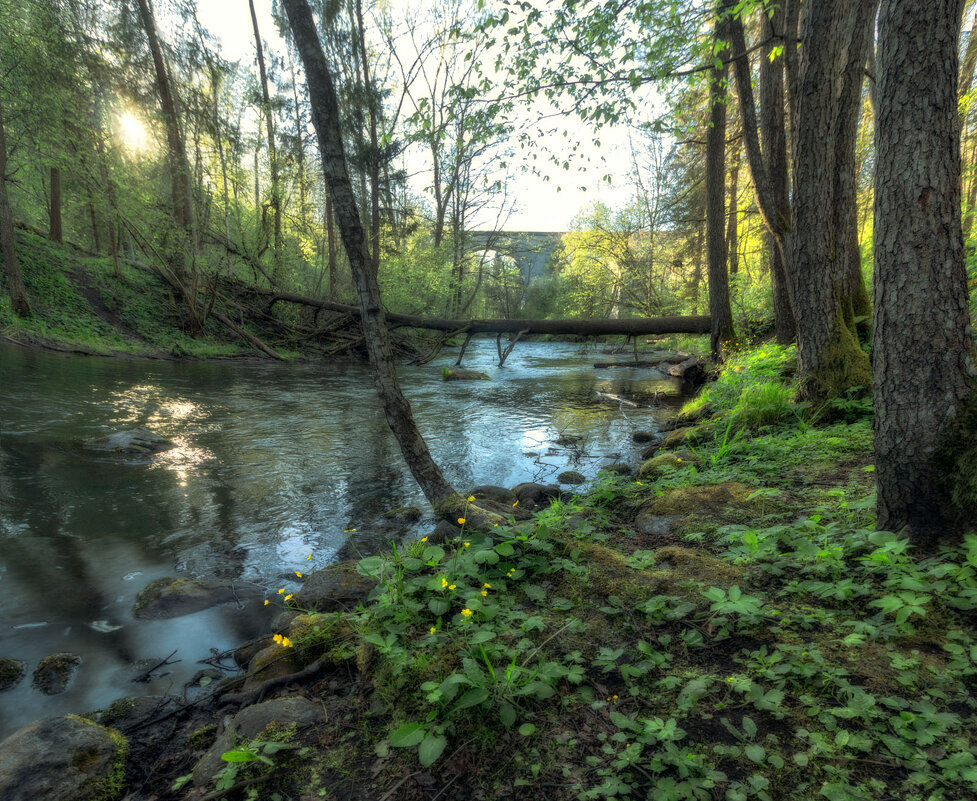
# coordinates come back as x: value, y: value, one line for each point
x: 133, y: 132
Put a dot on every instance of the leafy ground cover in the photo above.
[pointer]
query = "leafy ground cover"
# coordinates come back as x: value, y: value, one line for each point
x: 766, y: 643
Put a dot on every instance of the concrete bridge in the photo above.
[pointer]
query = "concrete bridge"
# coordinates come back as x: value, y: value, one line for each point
x: 531, y: 250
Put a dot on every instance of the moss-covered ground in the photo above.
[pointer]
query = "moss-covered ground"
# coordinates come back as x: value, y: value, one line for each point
x: 770, y: 645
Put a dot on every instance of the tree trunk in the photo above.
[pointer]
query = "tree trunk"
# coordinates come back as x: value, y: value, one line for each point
x: 15, y: 282
x: 923, y: 347
x: 325, y: 118
x: 722, y: 316
x: 179, y: 166
x: 54, y: 226
x: 331, y: 247
x: 276, y: 200
x: 732, y: 222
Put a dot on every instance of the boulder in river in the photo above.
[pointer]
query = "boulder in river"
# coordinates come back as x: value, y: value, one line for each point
x: 11, y: 671
x: 571, y: 477
x: 443, y: 532
x: 488, y: 492
x: 641, y: 437
x: 250, y: 723
x: 402, y: 515
x: 335, y: 588
x: 620, y: 468
x: 530, y: 495
x: 53, y: 672
x: 62, y: 759
x: 174, y: 597
x: 456, y: 374
x: 133, y: 442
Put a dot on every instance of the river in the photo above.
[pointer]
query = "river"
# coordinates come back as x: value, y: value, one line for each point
x: 273, y: 462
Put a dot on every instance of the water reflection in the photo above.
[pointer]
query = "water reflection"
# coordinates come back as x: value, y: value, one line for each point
x: 272, y: 463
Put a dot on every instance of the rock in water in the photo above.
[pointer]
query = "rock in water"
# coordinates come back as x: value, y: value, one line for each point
x: 134, y: 441
x: 53, y: 672
x: 173, y: 597
x: 335, y: 588
x: 11, y: 671
x: 454, y: 374
x: 571, y: 477
x: 61, y: 759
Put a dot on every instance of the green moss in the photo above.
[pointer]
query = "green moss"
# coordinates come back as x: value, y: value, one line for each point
x: 843, y: 366
x: 202, y: 738
x: 729, y: 500
x: 107, y: 788
x: 955, y: 462
x: 11, y: 670
x: 664, y: 462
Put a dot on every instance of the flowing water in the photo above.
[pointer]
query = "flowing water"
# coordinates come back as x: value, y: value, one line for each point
x: 272, y: 462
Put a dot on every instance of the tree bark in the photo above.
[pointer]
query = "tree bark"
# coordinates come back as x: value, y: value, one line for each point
x: 276, y: 197
x: 15, y: 281
x: 325, y: 118
x: 722, y: 316
x: 180, y: 167
x: 923, y: 359
x: 54, y: 215
x: 732, y: 221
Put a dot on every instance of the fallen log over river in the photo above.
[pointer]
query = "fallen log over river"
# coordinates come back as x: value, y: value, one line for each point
x: 632, y: 326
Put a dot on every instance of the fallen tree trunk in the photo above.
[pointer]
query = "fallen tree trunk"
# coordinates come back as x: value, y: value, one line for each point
x: 632, y: 326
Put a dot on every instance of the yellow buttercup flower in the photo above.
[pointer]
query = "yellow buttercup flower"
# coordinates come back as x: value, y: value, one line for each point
x: 485, y: 593
x: 461, y: 521
x: 433, y: 630
x: 466, y: 612
x: 471, y: 499
x: 267, y: 602
x: 452, y: 586
x: 423, y: 539
x: 277, y: 638
x: 289, y: 597
x: 467, y: 544
x: 487, y: 586
x: 307, y: 558
x: 281, y: 591
x: 444, y: 583
x: 298, y: 574
x: 286, y: 643
x: 516, y: 503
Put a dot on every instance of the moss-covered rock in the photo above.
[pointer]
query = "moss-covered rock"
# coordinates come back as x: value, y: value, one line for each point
x: 11, y: 671
x: 641, y: 437
x: 272, y: 662
x: 677, y: 437
x: 571, y: 477
x: 338, y: 587
x: 456, y: 374
x: 402, y: 515
x: 62, y: 759
x: 728, y: 502
x: 662, y: 463
x: 173, y: 597
x: 618, y: 468
x: 53, y: 672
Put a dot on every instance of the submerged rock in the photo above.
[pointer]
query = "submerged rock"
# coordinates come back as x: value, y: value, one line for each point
x: 641, y: 437
x: 11, y: 671
x: 62, y: 759
x: 337, y: 587
x: 530, y: 495
x: 456, y: 374
x: 620, y: 468
x: 571, y: 477
x: 260, y: 719
x: 651, y: 450
x: 53, y: 672
x: 174, y: 597
x: 134, y: 441
x: 489, y: 492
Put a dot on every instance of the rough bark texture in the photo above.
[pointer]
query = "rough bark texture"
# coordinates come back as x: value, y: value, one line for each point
x: 182, y: 198
x: 923, y: 347
x: 833, y: 37
x: 719, y: 309
x: 15, y: 282
x: 732, y: 220
x: 54, y: 213
x: 325, y: 118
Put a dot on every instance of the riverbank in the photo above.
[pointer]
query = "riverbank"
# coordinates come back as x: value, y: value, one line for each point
x: 725, y: 621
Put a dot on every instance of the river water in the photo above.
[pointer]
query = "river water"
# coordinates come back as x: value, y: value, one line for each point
x: 273, y: 462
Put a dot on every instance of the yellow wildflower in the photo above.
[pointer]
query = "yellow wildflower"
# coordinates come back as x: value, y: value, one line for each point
x: 461, y: 521
x: 289, y: 597
x: 298, y: 574
x: 677, y: 459
x: 267, y: 602
x: 452, y: 586
x: 467, y: 544
x: 485, y: 593
x: 423, y: 539
x: 307, y: 558
x: 286, y: 643
x: 281, y: 591
x: 471, y: 499
x: 466, y: 612
x: 433, y: 630
x: 277, y: 638
x: 516, y: 503
x: 444, y: 583
x: 639, y: 483
x: 487, y: 586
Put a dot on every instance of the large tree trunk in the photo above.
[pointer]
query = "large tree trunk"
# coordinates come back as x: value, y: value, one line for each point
x: 732, y: 221
x: 722, y: 316
x: 923, y: 347
x: 179, y: 166
x: 773, y: 134
x: 54, y: 214
x: 325, y: 118
x: 833, y: 35
x: 15, y: 282
x: 276, y: 195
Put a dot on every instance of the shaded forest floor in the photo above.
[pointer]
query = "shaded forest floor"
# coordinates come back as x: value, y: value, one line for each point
x: 726, y: 624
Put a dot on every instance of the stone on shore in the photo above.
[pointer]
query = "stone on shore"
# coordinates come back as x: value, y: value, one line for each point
x: 571, y: 477
x: 336, y: 588
x: 62, y: 759
x: 133, y: 442
x: 174, y: 597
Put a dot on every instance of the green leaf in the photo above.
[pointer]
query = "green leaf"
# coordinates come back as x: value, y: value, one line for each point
x: 439, y: 606
x: 472, y: 698
x: 484, y: 635
x: 749, y: 727
x: 239, y: 755
x: 408, y: 735
x: 507, y: 714
x: 526, y: 729
x: 755, y: 752
x: 505, y: 549
x: 486, y: 557
x: 431, y: 748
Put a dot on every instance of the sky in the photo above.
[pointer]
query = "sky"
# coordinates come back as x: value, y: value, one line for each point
x: 541, y: 204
